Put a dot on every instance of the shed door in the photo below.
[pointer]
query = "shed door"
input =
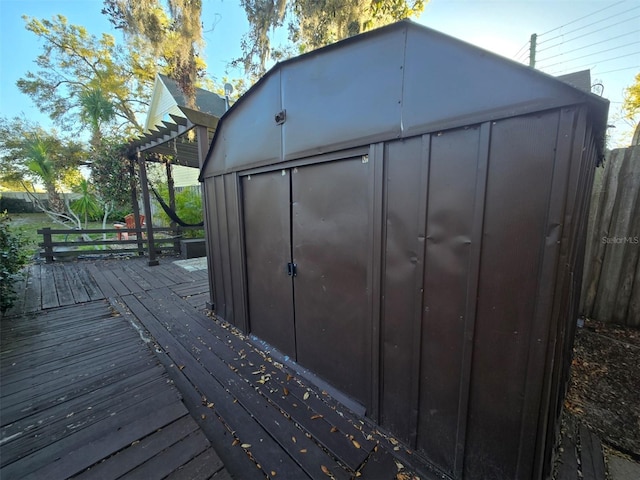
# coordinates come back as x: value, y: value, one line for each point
x: 331, y: 240
x: 267, y: 217
x: 317, y: 218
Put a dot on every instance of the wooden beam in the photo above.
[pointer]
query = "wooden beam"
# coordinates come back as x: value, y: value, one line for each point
x: 147, y: 210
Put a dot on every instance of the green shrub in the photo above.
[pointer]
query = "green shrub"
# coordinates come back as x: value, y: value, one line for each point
x: 188, y: 208
x: 12, y: 259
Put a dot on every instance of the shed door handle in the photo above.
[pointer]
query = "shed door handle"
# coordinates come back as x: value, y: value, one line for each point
x: 292, y: 269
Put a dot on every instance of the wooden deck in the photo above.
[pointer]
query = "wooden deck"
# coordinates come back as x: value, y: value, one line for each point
x: 262, y: 419
x: 82, y: 395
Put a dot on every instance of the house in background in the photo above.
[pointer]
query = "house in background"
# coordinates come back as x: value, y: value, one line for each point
x: 173, y: 130
x: 167, y: 99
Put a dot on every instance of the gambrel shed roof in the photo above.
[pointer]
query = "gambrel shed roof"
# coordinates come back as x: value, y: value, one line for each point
x: 393, y: 82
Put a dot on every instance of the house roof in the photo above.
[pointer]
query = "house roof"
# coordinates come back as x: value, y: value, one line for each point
x: 169, y: 138
x: 398, y: 81
x: 206, y: 101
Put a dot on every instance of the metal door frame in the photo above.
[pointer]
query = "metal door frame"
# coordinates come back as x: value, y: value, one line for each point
x: 375, y: 153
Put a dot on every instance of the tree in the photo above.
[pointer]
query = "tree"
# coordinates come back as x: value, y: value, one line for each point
x: 87, y: 204
x: 631, y: 108
x: 96, y: 110
x: 631, y: 103
x: 314, y: 23
x: 30, y: 155
x: 172, y: 35
x: 76, y: 68
x: 111, y: 177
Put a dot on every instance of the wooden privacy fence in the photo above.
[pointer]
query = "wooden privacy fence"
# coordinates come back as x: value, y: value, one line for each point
x: 611, y: 285
x: 61, y: 243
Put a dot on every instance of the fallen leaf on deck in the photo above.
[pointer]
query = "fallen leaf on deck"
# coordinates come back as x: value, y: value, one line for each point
x: 355, y: 443
x: 246, y: 445
x: 305, y: 396
x: 316, y: 416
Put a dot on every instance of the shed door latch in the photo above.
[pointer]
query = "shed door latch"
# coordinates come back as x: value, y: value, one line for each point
x: 292, y: 269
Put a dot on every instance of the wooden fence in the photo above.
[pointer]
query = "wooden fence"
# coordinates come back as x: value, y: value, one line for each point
x: 611, y: 283
x: 64, y: 243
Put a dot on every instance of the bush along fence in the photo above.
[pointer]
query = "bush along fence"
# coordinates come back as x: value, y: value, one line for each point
x: 611, y: 284
x: 60, y: 244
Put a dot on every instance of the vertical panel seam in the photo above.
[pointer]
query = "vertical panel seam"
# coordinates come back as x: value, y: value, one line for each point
x: 377, y: 230
x: 416, y: 347
x: 473, y: 281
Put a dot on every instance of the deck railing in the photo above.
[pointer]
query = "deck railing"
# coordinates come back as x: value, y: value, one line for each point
x: 59, y: 243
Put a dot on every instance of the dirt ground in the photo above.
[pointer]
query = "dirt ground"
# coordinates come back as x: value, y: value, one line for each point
x: 604, y: 391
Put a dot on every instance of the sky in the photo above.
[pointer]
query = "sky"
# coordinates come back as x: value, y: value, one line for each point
x: 573, y: 35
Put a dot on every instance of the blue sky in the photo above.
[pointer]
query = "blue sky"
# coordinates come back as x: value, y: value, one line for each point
x: 603, y: 35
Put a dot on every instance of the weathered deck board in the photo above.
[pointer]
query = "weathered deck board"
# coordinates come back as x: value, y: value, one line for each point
x: 219, y: 435
x: 80, y: 390
x: 102, y: 283
x: 266, y: 451
x: 33, y: 293
x: 78, y: 290
x: 59, y: 389
x: 262, y: 419
x: 62, y: 286
x: 318, y: 424
x: 49, y: 291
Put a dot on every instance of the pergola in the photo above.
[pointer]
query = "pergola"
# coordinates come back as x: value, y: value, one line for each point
x: 186, y: 138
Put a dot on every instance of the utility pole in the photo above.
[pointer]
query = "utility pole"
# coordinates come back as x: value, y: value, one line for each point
x: 532, y: 50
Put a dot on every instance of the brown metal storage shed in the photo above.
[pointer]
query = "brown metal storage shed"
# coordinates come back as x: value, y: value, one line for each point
x: 403, y: 214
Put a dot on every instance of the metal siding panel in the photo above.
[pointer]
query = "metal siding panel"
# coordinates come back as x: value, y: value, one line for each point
x: 518, y: 186
x: 331, y: 247
x: 486, y: 86
x: 450, y: 218
x: 544, y: 328
x: 210, y: 229
x: 251, y: 135
x: 267, y: 218
x: 346, y: 97
x: 221, y: 204
x: 404, y: 255
x: 472, y: 295
x: 235, y: 249
x: 216, y: 247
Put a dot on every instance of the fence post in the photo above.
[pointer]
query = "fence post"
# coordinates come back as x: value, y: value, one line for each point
x: 177, y: 236
x: 46, y: 244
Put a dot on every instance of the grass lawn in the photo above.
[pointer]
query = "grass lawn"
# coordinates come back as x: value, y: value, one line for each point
x: 26, y: 225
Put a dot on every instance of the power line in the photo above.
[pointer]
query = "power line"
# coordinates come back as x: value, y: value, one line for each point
x: 575, y: 69
x: 591, y: 45
x: 521, y: 49
x: 591, y: 54
x: 590, y: 24
x: 581, y: 18
x: 618, y: 70
x: 589, y: 33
